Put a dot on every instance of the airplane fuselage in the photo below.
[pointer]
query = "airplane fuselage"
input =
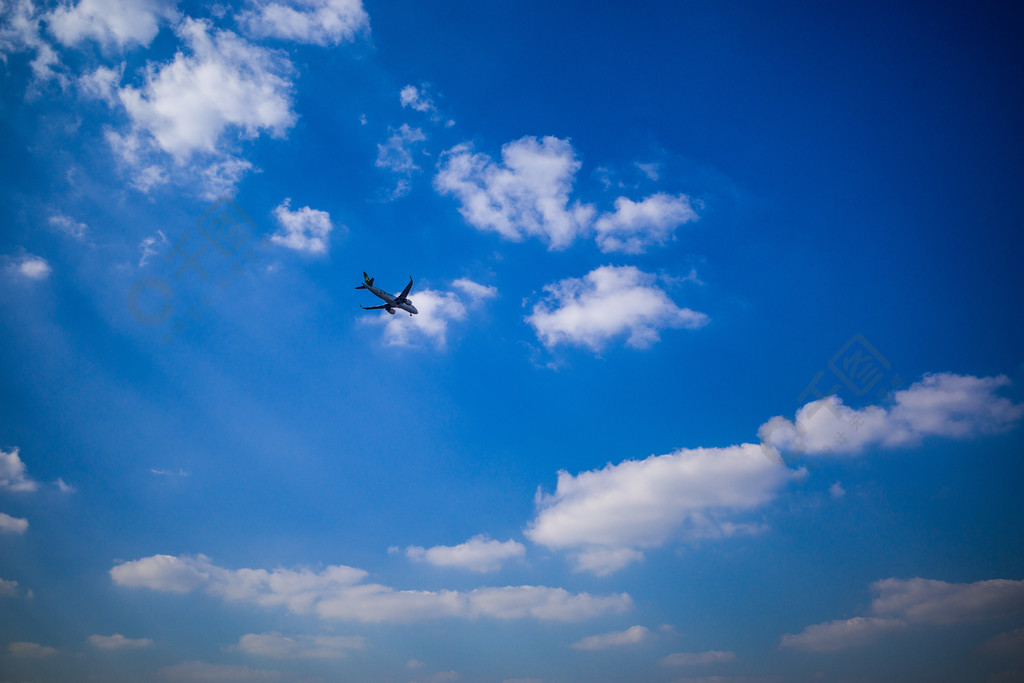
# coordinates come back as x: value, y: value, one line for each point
x: 391, y: 298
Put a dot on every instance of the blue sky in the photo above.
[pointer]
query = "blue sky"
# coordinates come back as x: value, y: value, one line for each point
x: 716, y: 376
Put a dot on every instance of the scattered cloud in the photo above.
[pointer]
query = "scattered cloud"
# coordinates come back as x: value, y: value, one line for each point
x: 186, y: 108
x: 608, y: 302
x: 632, y: 635
x: 305, y: 230
x: 698, y: 658
x: 203, y: 671
x: 31, y: 650
x: 8, y: 589
x: 605, y: 516
x: 118, y: 642
x: 151, y: 246
x: 635, y: 226
x: 338, y: 592
x: 902, y: 603
x: 525, y: 195
x: 168, y: 473
x: 396, y: 156
x: 111, y: 23
x: 27, y: 266
x: 311, y: 22
x: 299, y: 647
x: 13, y: 475
x: 102, y: 83
x: 479, y: 554
x: 417, y: 99
x: 20, y: 32
x: 14, y: 525
x: 942, y: 404
x: 836, y: 490
x: 69, y: 226
x: 436, y: 310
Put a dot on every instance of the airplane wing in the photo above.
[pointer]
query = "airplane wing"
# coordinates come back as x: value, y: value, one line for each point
x: 374, y: 308
x: 405, y: 292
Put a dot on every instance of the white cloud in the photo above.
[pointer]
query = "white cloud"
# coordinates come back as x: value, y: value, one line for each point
x: 942, y: 404
x: 299, y: 647
x: 102, y: 83
x: 836, y: 490
x: 19, y: 31
x: 634, y: 634
x: 202, y: 671
x: 306, y: 230
x: 151, y: 246
x: 698, y: 658
x: 314, y: 22
x: 606, y: 515
x: 8, y: 589
x: 337, y: 592
x: 119, y: 23
x: 902, y: 603
x: 14, y: 525
x: 479, y: 554
x: 436, y: 310
x: 31, y: 650
x: 64, y: 487
x: 118, y: 642
x: 13, y: 475
x: 27, y: 266
x: 607, y: 302
x: 526, y: 195
x: 396, y: 156
x: 634, y: 226
x: 841, y: 634
x: 187, y: 105
x: 69, y: 226
x: 416, y: 98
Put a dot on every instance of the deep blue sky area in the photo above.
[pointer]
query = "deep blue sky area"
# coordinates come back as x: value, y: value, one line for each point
x: 716, y: 371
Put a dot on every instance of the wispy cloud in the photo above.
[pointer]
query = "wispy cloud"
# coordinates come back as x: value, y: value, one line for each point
x: 479, y: 554
x: 279, y: 646
x: 118, y: 642
x: 13, y: 473
x: 632, y: 635
x: 14, y: 525
x: 313, y: 22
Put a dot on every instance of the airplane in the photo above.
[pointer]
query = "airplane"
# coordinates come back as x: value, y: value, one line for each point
x: 391, y: 301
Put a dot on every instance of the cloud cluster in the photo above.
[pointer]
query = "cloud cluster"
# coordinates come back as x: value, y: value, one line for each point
x: 527, y: 194
x: 604, y: 517
x: 279, y: 646
x: 304, y: 230
x: 942, y: 404
x: 479, y: 554
x: 608, y: 302
x: 338, y: 592
x: 111, y: 23
x: 437, y: 308
x: 903, y: 603
x: 13, y: 473
x: 634, y: 634
x: 312, y: 22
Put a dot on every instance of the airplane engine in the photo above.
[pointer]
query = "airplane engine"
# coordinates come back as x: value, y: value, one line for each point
x: 391, y: 311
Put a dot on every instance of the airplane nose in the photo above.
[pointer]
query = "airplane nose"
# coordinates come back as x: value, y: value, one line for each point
x: 413, y: 308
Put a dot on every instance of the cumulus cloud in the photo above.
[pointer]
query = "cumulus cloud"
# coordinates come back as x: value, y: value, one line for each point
x: 305, y: 230
x: 698, y: 658
x: 118, y: 642
x: 31, y: 650
x: 313, y: 22
x: 437, y: 309
x: 222, y: 83
x: 903, y: 603
x: 8, y: 589
x: 338, y: 592
x: 524, y: 195
x: 102, y: 83
x: 634, y: 634
x: 299, y: 647
x: 69, y: 226
x: 115, y: 23
x: 605, y: 516
x: 417, y: 99
x: 479, y: 554
x: 14, y: 525
x: 608, y: 302
x: 635, y: 226
x: 13, y: 473
x: 942, y: 404
x: 27, y: 265
x: 396, y: 156
x: 20, y: 32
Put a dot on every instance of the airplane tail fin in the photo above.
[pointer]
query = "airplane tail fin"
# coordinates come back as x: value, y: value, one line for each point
x: 366, y: 279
